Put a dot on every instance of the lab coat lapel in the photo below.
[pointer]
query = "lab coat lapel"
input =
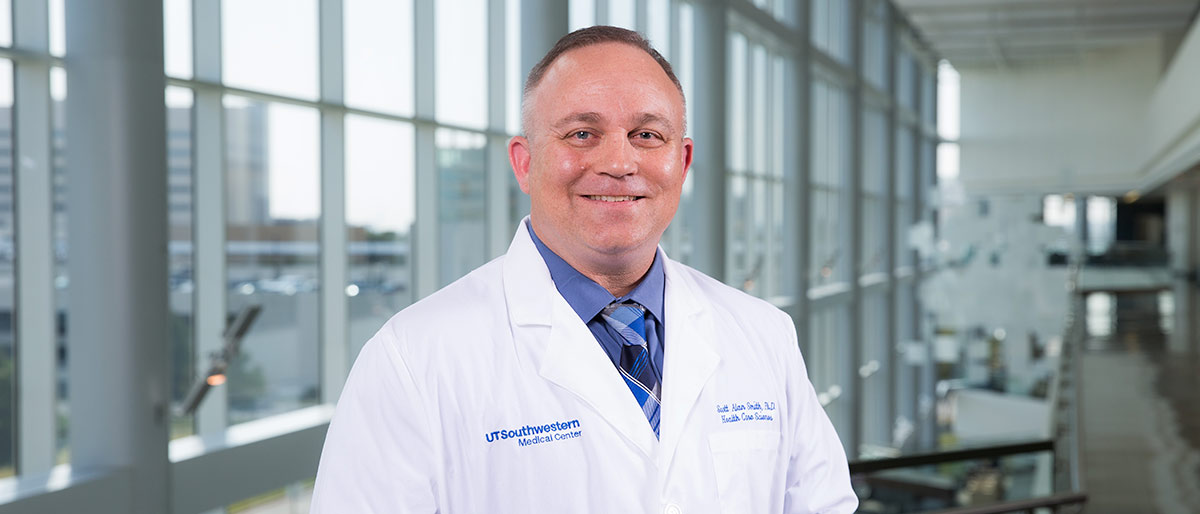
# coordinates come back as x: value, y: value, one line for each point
x: 575, y: 361
x: 567, y: 354
x: 690, y: 357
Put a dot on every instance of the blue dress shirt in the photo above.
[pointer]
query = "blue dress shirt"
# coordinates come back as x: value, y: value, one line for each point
x: 587, y: 299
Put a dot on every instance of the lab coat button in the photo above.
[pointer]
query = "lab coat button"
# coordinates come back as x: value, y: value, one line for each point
x: 672, y: 509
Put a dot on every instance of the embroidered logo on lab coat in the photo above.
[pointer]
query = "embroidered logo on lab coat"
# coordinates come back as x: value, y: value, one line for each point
x: 538, y: 434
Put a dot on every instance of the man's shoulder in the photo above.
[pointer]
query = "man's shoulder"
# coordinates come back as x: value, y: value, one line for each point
x: 722, y: 296
x: 462, y: 303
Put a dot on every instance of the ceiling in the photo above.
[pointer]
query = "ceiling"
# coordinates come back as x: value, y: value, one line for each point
x: 1015, y: 33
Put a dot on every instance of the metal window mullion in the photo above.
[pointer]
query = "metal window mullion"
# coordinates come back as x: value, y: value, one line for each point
x: 800, y: 188
x: 890, y: 258
x: 209, y: 210
x: 36, y: 337
x: 854, y: 212
x: 709, y: 207
x: 602, y: 12
x: 497, y: 171
x: 334, y: 309
x: 641, y: 17
x: 425, y: 238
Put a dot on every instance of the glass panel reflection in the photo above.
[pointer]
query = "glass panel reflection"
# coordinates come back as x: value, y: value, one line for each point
x: 272, y: 203
x: 380, y: 207
x: 180, y: 254
x: 462, y: 203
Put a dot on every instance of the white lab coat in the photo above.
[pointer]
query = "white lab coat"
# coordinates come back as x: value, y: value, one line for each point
x: 434, y: 415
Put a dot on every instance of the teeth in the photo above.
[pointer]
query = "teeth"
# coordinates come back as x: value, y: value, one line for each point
x: 613, y: 198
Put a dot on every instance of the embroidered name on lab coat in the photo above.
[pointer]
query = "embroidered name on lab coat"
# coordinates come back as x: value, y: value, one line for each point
x: 749, y: 411
x: 538, y: 434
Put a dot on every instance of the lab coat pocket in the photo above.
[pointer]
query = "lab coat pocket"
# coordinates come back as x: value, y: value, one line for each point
x: 745, y: 462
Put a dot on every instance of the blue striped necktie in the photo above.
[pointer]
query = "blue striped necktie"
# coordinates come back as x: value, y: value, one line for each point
x: 629, y: 320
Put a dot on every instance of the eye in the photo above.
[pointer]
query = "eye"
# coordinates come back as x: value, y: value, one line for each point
x: 647, y: 135
x: 581, y: 135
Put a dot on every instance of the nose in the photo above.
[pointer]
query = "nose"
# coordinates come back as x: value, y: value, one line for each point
x: 619, y: 157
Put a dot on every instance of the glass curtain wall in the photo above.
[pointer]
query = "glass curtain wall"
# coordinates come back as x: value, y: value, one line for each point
x: 403, y: 114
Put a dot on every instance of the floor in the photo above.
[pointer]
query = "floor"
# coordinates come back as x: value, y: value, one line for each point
x: 1140, y: 409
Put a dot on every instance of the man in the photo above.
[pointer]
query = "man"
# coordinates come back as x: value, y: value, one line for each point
x: 584, y: 371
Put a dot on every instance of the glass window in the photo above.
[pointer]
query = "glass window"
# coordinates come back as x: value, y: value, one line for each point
x: 874, y: 191
x: 738, y: 99
x: 8, y: 413
x: 278, y: 57
x: 831, y: 28
x: 462, y: 203
x: 904, y: 217
x: 928, y: 90
x: 906, y: 78
x: 876, y: 383
x: 272, y: 203
x: 58, y: 26
x: 180, y: 253
x: 754, y: 211
x: 875, y: 43
x: 659, y: 27
x: 1101, y: 221
x: 514, y: 81
x: 6, y: 24
x: 380, y: 207
x: 379, y: 55
x: 622, y: 13
x: 62, y: 281
x: 1059, y: 211
x: 826, y: 359
x: 830, y: 161
x: 905, y: 381
x: 177, y: 38
x: 581, y: 13
x: 947, y: 161
x: 461, y: 47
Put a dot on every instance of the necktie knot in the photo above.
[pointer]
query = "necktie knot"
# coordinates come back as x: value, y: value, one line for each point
x: 628, y: 318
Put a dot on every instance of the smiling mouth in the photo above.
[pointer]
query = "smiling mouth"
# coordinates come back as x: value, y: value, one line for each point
x: 607, y: 198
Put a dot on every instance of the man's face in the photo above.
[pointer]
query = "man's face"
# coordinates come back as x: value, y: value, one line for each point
x: 605, y: 158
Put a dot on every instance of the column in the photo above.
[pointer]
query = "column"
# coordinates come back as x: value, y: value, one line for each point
x: 116, y: 159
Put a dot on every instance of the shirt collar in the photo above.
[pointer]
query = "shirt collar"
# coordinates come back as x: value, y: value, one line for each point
x: 587, y: 298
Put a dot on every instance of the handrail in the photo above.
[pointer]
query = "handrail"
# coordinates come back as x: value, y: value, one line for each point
x: 1054, y: 500
x: 924, y: 459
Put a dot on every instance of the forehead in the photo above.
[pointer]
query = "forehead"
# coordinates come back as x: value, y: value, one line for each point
x: 611, y: 79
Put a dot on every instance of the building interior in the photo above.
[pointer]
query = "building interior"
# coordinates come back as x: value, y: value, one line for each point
x: 983, y: 217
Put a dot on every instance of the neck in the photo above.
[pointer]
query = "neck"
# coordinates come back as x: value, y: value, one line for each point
x: 617, y: 273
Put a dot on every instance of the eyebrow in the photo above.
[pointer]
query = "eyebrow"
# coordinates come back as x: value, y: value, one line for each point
x: 595, y: 117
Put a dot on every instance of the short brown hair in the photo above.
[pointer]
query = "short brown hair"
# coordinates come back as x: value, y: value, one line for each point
x: 587, y: 37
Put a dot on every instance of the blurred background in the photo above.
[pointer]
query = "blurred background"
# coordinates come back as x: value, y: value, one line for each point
x: 983, y: 217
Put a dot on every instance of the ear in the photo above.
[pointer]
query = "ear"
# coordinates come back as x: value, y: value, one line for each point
x: 519, y: 157
x: 687, y: 156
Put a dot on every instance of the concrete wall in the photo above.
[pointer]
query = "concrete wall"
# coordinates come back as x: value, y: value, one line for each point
x: 1058, y: 127
x: 1172, y: 138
